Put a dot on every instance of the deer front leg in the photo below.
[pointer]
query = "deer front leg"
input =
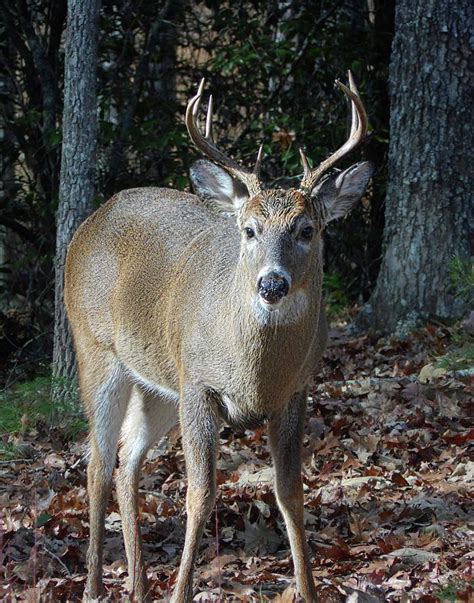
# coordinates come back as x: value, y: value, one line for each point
x: 286, y: 436
x: 199, y: 429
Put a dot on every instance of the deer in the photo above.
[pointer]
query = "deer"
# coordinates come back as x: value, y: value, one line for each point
x: 203, y: 309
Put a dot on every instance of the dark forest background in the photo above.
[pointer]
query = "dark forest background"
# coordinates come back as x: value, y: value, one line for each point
x: 271, y: 67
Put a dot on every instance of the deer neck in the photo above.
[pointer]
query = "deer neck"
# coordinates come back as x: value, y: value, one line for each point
x: 271, y: 350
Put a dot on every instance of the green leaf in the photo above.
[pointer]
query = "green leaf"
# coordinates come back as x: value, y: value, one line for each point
x: 42, y: 519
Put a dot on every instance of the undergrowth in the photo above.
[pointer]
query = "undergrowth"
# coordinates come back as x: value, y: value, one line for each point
x: 28, y: 406
x: 460, y: 355
x: 459, y: 358
x: 461, y: 275
x: 452, y: 591
x: 334, y: 294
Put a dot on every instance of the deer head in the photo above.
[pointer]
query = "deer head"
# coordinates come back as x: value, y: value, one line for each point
x: 280, y: 229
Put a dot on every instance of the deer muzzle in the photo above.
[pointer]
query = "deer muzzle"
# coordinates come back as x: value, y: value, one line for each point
x: 272, y: 287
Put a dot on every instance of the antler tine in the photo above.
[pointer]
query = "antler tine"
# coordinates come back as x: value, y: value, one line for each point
x: 196, y: 100
x: 258, y: 162
x: 304, y: 161
x: 357, y: 134
x: 354, y: 116
x: 207, y: 146
x: 209, y: 135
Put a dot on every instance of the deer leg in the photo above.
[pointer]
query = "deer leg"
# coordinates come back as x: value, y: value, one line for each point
x: 106, y: 390
x: 199, y: 428
x: 148, y: 419
x: 286, y: 436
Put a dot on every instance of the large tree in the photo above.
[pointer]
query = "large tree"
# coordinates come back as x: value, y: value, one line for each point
x: 77, y: 180
x: 429, y: 201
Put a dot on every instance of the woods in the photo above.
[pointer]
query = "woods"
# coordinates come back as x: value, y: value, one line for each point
x: 93, y: 100
x: 150, y: 58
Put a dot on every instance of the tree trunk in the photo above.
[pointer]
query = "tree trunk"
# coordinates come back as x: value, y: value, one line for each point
x: 77, y: 188
x: 7, y: 177
x: 157, y: 64
x: 428, y: 212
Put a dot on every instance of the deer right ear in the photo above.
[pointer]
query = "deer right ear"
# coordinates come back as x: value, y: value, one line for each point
x: 336, y: 195
x: 215, y: 185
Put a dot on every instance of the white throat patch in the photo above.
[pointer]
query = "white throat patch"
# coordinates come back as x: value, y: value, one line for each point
x: 289, y: 310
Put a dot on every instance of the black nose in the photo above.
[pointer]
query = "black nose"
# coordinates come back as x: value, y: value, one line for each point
x: 272, y: 287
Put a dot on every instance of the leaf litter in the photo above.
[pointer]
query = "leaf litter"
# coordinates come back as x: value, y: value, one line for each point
x: 388, y: 477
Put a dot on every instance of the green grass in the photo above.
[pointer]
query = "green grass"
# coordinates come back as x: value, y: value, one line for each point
x: 460, y: 354
x: 461, y: 274
x: 449, y: 592
x: 28, y: 406
x: 459, y: 358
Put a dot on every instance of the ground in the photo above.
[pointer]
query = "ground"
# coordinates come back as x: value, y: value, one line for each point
x: 388, y: 487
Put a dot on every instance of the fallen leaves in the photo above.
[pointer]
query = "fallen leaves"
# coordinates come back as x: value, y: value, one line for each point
x: 388, y: 491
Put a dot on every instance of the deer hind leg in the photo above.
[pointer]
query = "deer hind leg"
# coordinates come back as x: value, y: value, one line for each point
x: 106, y: 390
x: 149, y: 418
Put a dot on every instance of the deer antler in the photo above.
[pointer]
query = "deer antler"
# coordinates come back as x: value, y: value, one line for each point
x: 358, y: 132
x: 207, y: 145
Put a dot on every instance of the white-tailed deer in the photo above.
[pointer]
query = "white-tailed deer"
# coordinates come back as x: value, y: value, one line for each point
x: 201, y: 309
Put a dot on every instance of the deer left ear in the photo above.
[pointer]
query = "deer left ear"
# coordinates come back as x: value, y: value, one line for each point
x: 336, y: 196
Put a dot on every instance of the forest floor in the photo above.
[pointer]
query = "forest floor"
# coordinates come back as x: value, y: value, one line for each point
x: 388, y: 491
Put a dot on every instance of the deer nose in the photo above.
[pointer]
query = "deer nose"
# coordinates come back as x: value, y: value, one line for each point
x: 272, y: 287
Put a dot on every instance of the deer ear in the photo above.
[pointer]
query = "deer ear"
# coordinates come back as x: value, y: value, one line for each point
x: 216, y: 186
x: 336, y: 196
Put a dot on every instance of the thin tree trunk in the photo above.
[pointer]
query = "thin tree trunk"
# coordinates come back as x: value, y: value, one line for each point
x: 7, y: 175
x: 429, y: 201
x: 160, y: 68
x: 77, y: 180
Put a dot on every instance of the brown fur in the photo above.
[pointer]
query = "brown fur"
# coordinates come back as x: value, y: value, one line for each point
x: 161, y: 296
x: 273, y: 205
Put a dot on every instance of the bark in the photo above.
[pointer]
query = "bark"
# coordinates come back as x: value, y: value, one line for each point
x: 77, y: 180
x: 428, y: 212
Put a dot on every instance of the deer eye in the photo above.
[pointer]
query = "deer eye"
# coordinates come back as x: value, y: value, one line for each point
x: 250, y: 232
x: 307, y: 233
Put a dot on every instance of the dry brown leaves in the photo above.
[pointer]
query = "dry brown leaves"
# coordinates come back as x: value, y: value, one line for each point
x: 388, y: 481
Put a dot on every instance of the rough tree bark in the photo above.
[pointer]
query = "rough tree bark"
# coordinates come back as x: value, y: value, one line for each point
x: 429, y: 204
x: 76, y: 189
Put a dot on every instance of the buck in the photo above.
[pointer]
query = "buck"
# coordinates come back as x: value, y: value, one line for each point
x: 202, y: 309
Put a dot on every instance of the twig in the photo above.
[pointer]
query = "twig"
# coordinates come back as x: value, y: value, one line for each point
x: 58, y: 560
x: 219, y: 574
